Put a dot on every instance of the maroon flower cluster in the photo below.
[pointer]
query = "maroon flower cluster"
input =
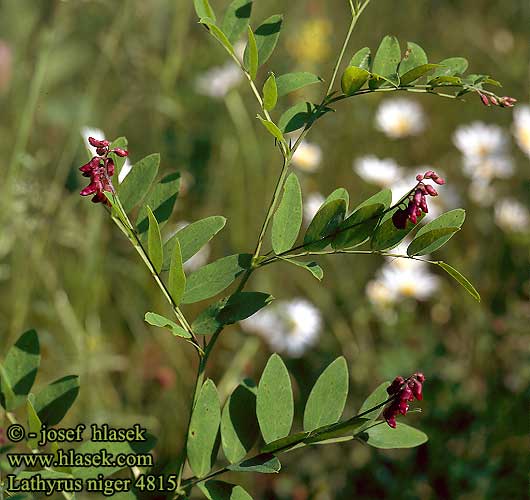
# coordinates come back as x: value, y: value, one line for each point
x: 403, y: 392
x: 503, y: 102
x: 100, y: 169
x: 417, y: 200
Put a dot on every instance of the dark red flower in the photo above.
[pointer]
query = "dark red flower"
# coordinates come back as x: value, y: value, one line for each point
x: 402, y: 392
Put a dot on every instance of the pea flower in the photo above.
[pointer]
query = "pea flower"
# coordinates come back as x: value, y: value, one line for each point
x: 417, y: 200
x: 403, y: 391
x: 100, y: 169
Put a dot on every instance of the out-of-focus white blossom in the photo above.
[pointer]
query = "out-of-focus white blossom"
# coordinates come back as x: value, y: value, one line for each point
x: 307, y: 157
x: 400, y: 117
x: 219, y: 80
x: 521, y: 128
x: 382, y: 172
x: 512, y: 215
x: 312, y: 203
x: 488, y: 168
x: 289, y: 327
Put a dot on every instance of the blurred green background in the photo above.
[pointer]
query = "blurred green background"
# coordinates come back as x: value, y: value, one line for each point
x: 131, y: 68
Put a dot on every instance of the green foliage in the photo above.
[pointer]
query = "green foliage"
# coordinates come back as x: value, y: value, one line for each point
x: 177, y: 279
x: 362, y: 59
x: 414, y: 57
x: 287, y: 219
x: 386, y: 61
x: 235, y: 20
x: 53, y: 402
x: 460, y: 279
x: 265, y: 463
x: 291, y: 82
x: 19, y: 369
x: 203, y: 432
x: 163, y: 322
x: 353, y: 79
x: 381, y: 435
x: 312, y: 267
x: 154, y: 242
x: 328, y: 397
x: 219, y: 36
x: 230, y: 310
x: 161, y: 198
x: 204, y: 10
x: 270, y: 93
x: 239, y: 428
x: 137, y: 183
x: 274, y: 404
x: 266, y: 35
x: 374, y: 399
x: 215, y: 277
x: 326, y: 221
x: 273, y: 129
x: 193, y: 237
x: 387, y: 236
x: 296, y: 117
x: 120, y: 142
x: 251, y: 54
x: 437, y: 233
x: 219, y: 490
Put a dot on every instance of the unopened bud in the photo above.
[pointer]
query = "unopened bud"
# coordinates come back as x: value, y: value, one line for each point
x: 430, y: 190
x: 120, y: 152
x: 428, y: 174
x: 484, y: 100
x: 419, y: 177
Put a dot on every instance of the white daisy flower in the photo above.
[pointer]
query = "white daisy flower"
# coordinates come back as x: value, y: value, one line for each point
x: 312, y: 203
x: 521, y: 128
x: 480, y: 140
x: 481, y: 192
x: 382, y: 172
x: 218, y: 81
x: 400, y: 117
x: 307, y: 157
x: 511, y: 215
x: 488, y: 168
x: 290, y: 327
x: 379, y: 294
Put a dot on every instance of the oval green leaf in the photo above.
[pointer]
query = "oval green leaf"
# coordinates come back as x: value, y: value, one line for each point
x: 154, y: 241
x: 416, y: 73
x: 296, y: 117
x: 204, y: 427
x: 461, y: 279
x: 353, y: 79
x: 193, y: 237
x: 215, y: 277
x: 287, y: 219
x: 451, y: 67
x: 328, y: 397
x: 53, y: 402
x: 274, y: 403
x: 295, y: 81
x: 383, y: 436
x: 377, y: 397
x: 219, y: 490
x: 270, y: 93
x: 264, y: 464
x: 386, y: 236
x: 362, y: 59
x: 266, y: 36
x: 138, y: 181
x: 177, y: 279
x: 19, y: 369
x: 326, y: 221
x: 431, y: 240
x: 414, y: 56
x: 163, y: 322
x: 204, y: 9
x: 239, y: 426
x: 387, y: 59
x: 235, y: 20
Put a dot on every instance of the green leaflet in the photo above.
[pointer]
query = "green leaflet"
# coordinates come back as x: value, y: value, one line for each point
x: 137, y: 183
x: 215, y: 277
x: 414, y: 56
x: 53, y: 402
x: 239, y: 426
x: 362, y: 59
x: 325, y: 223
x: 312, y: 267
x: 203, y: 431
x: 270, y: 93
x: 264, y: 464
x: 266, y: 35
x: 219, y: 490
x: 154, y: 242
x: 445, y: 225
x: 251, y: 54
x: 295, y: 81
x: 460, y: 278
x: 416, y: 73
x: 375, y: 398
x: 296, y: 117
x: 177, y: 279
x: 287, y: 219
x: 328, y: 397
x: 193, y: 237
x: 274, y: 403
x: 273, y: 129
x: 383, y: 436
x: 204, y: 10
x: 161, y: 198
x: 230, y: 310
x: 386, y: 236
x: 163, y: 322
x: 353, y: 79
x: 19, y: 369
x: 451, y: 67
x: 235, y: 20
x: 386, y: 60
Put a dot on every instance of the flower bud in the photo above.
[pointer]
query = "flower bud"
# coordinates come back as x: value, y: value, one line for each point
x: 101, y: 151
x: 399, y: 219
x: 98, y: 144
x: 493, y: 100
x: 120, y: 152
x: 439, y: 180
x: 484, y: 100
x: 419, y: 376
x: 110, y: 167
x: 416, y: 388
x: 395, y: 386
x: 406, y: 394
x: 430, y: 190
x: 403, y: 407
x: 419, y: 177
x: 429, y: 174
